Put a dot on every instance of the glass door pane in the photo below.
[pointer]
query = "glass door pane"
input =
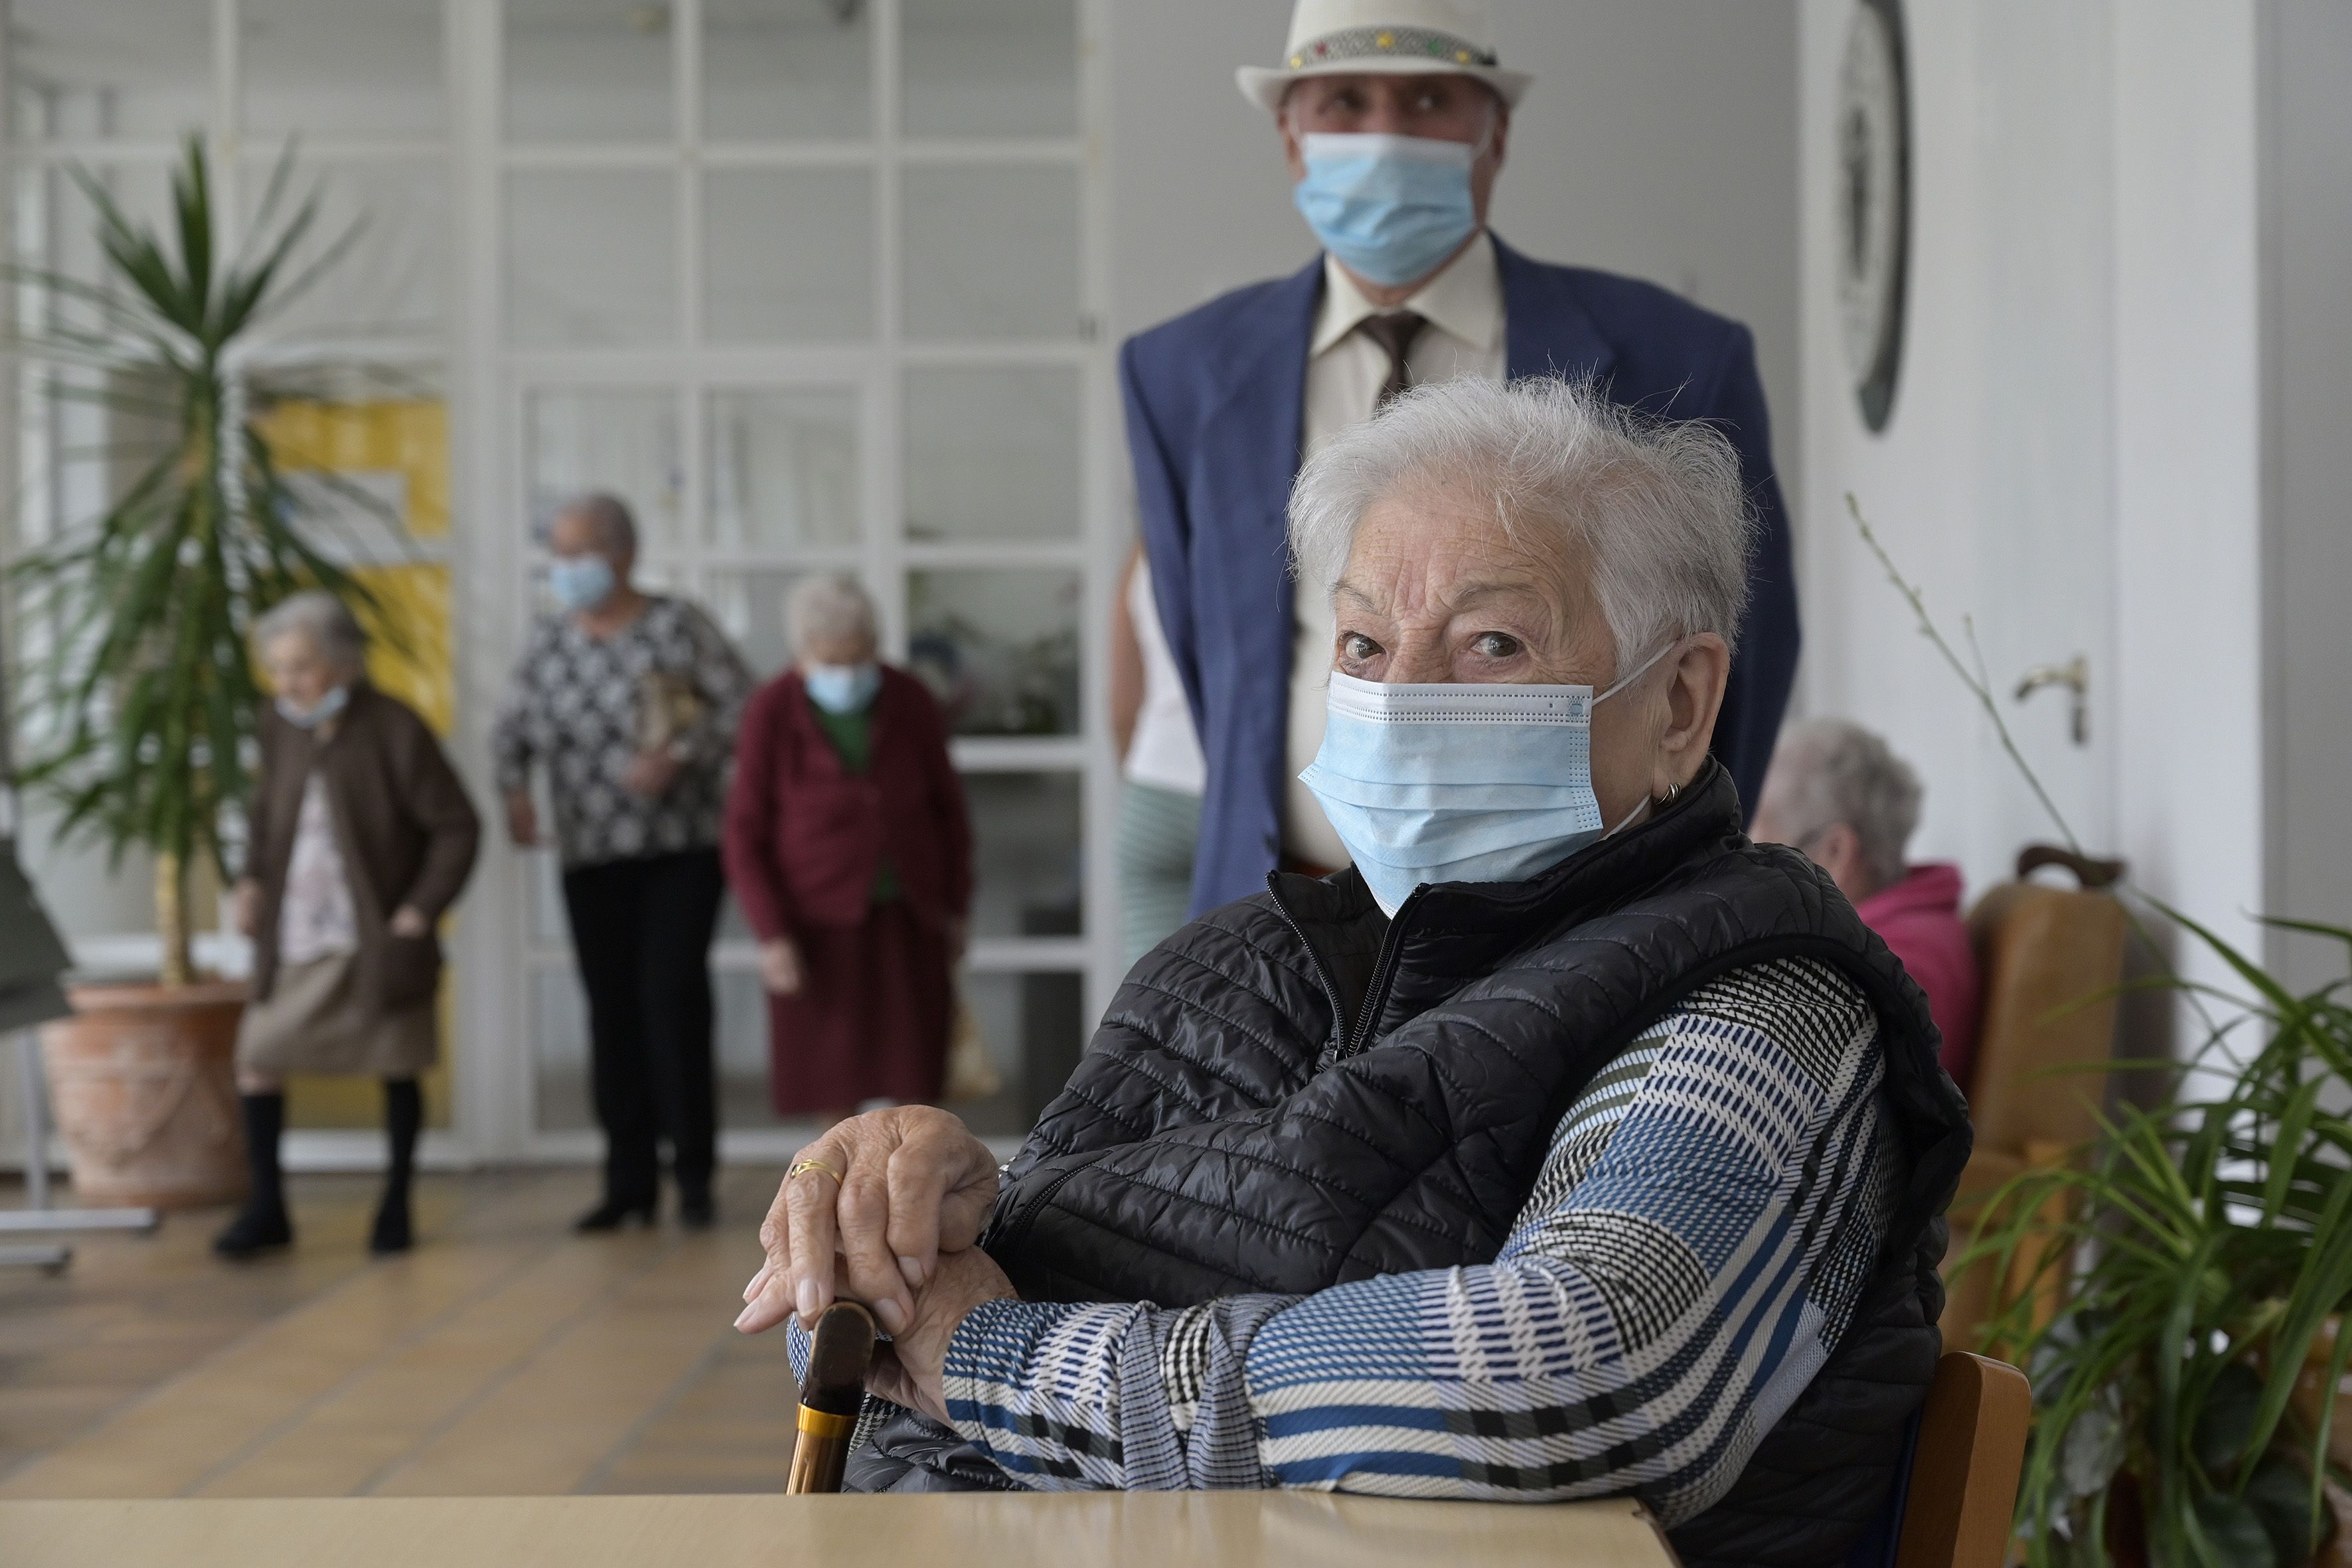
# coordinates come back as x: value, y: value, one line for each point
x: 1028, y: 830
x: 789, y: 255
x: 98, y: 71
x: 390, y: 281
x: 591, y: 259
x: 787, y: 71
x: 991, y: 252
x: 624, y: 440
x: 343, y: 66
x: 992, y: 452
x: 782, y: 469
x: 748, y: 605
x: 990, y: 67
x: 588, y: 70
x: 999, y: 647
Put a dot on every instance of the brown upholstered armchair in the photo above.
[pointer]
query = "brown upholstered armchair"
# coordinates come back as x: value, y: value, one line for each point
x: 2049, y: 959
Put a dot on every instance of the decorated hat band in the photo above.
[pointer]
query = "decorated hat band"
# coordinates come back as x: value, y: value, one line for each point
x: 1391, y: 43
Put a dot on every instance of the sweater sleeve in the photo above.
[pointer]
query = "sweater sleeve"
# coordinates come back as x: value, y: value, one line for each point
x: 437, y: 801
x: 257, y: 801
x: 945, y: 788
x: 510, y: 740
x: 725, y: 683
x: 749, y: 842
x: 1692, y: 1251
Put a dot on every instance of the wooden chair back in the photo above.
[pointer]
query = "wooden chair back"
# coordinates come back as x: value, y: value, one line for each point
x: 1964, y: 1474
x: 2049, y: 959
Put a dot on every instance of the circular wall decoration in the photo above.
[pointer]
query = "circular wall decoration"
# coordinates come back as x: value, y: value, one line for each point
x: 1873, y: 202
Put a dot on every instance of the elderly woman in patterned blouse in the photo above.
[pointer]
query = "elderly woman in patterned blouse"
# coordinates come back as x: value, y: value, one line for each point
x: 1566, y: 1144
x: 629, y: 701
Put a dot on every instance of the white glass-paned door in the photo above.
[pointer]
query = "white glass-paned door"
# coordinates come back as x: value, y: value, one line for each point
x: 804, y: 282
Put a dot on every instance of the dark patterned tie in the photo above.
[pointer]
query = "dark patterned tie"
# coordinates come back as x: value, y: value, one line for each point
x: 1394, y: 333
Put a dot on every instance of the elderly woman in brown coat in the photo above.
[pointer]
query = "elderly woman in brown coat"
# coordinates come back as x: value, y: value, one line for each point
x: 360, y: 836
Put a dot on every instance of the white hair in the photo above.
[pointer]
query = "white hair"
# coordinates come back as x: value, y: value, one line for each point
x: 832, y: 608
x: 326, y: 620
x: 1655, y: 506
x: 1828, y: 770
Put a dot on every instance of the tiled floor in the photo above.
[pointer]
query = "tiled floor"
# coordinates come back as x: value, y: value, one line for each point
x: 504, y: 1355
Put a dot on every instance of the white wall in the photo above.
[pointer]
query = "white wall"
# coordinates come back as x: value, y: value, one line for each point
x: 1658, y: 141
x: 1993, y: 478
x: 2189, y: 409
x: 2119, y: 430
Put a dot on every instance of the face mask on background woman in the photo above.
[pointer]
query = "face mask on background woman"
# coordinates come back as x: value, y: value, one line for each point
x: 1390, y: 207
x: 1468, y: 783
x: 842, y: 687
x: 581, y: 582
x: 318, y: 713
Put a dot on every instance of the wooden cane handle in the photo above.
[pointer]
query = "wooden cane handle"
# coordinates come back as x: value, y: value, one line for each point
x: 840, y: 1351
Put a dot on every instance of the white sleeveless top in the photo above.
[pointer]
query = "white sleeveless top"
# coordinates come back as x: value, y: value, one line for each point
x: 1165, y: 752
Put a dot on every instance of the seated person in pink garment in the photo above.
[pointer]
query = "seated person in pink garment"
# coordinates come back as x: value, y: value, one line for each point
x: 1835, y: 792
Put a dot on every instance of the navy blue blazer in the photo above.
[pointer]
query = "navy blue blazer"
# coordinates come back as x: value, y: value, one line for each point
x: 1215, y: 411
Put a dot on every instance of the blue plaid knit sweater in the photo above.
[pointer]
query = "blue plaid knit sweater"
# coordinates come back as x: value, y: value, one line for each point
x: 1705, y: 1220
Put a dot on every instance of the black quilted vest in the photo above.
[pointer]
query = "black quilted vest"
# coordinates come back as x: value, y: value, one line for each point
x: 1294, y: 1092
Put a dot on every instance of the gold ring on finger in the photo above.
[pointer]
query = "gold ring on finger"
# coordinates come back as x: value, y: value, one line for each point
x: 802, y: 1167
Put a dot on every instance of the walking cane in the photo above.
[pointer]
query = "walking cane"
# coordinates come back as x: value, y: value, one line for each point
x: 840, y: 1351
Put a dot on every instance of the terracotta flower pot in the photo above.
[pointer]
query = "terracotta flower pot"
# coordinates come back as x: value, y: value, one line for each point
x: 144, y: 1080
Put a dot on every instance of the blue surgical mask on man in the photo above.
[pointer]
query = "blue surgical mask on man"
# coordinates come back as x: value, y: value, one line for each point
x: 1390, y: 207
x: 842, y: 688
x: 318, y: 713
x: 1468, y: 783
x: 581, y: 582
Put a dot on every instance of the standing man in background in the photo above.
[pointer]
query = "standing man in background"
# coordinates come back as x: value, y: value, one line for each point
x: 1394, y: 117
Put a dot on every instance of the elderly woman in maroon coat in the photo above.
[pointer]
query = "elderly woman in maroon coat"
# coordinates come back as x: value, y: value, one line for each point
x: 849, y: 851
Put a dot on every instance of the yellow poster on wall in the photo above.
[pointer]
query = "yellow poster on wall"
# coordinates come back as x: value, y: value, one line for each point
x: 389, y: 457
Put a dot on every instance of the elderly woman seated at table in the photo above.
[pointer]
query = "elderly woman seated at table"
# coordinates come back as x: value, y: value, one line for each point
x: 1567, y: 1144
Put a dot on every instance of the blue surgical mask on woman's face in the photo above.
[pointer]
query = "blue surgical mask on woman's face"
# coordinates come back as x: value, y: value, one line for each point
x: 843, y: 688
x: 318, y: 713
x: 1390, y: 207
x: 1471, y: 782
x: 581, y: 582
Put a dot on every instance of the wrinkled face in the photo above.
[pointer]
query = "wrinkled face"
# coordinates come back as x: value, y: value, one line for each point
x: 1443, y: 107
x: 1435, y: 590
x: 856, y: 647
x: 574, y: 534
x: 300, y: 670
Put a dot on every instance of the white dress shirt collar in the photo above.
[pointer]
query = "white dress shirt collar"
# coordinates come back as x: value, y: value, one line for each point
x: 1463, y: 300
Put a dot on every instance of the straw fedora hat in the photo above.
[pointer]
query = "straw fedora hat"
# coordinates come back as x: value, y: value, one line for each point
x: 1402, y: 37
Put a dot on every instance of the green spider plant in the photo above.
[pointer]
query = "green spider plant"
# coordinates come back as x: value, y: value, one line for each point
x: 140, y: 695
x: 2205, y: 1251
x: 2202, y: 1252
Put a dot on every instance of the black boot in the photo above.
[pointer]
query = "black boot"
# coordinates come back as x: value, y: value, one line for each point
x: 261, y: 1225
x: 696, y: 1210
x: 403, y: 1114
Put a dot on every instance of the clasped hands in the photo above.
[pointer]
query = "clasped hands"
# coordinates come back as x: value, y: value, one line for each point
x: 895, y: 1232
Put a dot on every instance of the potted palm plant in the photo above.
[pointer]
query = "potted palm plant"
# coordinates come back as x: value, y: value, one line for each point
x: 138, y: 707
x: 2200, y: 1255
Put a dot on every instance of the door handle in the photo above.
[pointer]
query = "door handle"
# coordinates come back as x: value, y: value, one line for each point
x: 2075, y: 675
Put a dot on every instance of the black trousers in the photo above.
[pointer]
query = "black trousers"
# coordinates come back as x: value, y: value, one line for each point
x: 641, y: 930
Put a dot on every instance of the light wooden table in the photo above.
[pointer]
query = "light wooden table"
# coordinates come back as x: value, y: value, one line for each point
x: 1140, y: 1530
